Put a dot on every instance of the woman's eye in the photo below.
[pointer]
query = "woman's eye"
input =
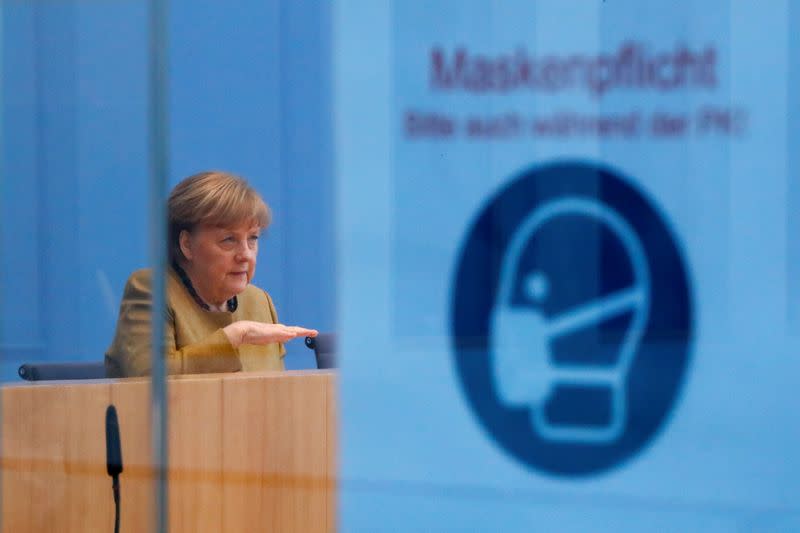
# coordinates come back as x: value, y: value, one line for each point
x: 228, y: 239
x: 253, y: 237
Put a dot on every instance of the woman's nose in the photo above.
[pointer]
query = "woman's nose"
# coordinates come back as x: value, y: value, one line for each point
x: 245, y: 253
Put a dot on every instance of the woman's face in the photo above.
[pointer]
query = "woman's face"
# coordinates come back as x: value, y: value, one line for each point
x: 220, y: 261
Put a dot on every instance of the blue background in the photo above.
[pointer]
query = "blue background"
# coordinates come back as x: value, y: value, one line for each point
x: 249, y: 93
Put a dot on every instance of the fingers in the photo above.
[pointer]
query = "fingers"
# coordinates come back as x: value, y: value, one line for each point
x: 303, y: 332
x: 288, y: 333
x: 284, y: 333
x: 261, y: 333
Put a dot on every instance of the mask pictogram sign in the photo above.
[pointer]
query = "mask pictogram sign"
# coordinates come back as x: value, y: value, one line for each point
x: 571, y: 319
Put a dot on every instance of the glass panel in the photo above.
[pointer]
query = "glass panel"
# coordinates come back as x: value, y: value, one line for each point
x: 74, y: 217
x: 568, y: 293
x: 106, y: 108
x: 159, y: 175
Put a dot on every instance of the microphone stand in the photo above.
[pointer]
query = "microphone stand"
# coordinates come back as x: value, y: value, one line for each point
x: 115, y: 489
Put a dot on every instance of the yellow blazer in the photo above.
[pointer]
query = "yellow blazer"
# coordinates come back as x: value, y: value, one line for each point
x: 194, y: 340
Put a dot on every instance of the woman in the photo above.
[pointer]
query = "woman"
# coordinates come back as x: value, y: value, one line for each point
x: 216, y: 321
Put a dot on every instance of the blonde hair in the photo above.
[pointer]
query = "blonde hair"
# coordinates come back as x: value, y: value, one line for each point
x: 214, y: 198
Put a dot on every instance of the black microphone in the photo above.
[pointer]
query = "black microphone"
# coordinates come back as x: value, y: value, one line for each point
x: 113, y: 458
x: 113, y: 447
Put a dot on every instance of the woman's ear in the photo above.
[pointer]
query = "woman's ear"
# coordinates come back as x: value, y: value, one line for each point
x: 185, y: 243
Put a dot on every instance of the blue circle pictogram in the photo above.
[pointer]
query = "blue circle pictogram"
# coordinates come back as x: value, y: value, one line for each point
x: 571, y: 319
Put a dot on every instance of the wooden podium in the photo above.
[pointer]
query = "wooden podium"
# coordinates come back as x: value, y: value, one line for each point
x: 247, y: 452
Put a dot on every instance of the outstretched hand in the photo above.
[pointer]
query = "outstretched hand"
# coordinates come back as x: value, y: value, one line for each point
x: 251, y: 332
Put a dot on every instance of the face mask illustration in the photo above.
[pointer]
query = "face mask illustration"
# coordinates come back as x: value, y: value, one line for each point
x: 525, y: 371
